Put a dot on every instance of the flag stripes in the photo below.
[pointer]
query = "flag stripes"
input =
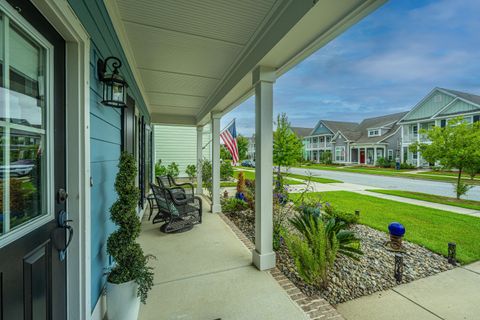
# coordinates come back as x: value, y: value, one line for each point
x: 229, y: 138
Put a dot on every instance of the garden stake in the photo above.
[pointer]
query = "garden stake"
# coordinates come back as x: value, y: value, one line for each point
x: 398, y: 268
x: 452, y: 253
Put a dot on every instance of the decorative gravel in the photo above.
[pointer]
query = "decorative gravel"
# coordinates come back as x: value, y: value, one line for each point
x: 350, y: 279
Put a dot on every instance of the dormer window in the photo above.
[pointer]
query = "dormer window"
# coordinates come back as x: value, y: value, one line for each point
x: 373, y: 132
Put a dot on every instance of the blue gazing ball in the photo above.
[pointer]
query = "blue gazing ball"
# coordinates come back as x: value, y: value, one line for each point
x: 396, y: 229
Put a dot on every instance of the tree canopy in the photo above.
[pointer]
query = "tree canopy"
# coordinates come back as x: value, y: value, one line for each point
x: 455, y: 146
x: 287, y: 147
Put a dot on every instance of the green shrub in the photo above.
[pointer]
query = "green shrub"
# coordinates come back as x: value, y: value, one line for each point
x: 317, y: 245
x: 405, y: 165
x: 385, y: 163
x: 326, y: 157
x: 226, y: 170
x: 191, y: 171
x: 130, y: 261
x: 207, y: 181
x: 233, y: 205
x: 172, y: 170
x: 160, y: 169
x: 348, y: 217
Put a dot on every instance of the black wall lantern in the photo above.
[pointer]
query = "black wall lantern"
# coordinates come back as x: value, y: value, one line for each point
x: 114, y: 87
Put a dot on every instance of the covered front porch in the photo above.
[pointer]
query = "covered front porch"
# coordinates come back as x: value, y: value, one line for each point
x: 206, y: 273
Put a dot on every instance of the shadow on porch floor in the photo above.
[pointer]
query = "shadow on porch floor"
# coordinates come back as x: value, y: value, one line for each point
x: 206, y: 274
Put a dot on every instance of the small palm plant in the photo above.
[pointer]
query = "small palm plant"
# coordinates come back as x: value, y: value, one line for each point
x: 130, y: 261
x: 317, y: 245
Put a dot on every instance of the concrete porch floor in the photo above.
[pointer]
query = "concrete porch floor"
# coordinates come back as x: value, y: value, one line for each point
x: 206, y: 273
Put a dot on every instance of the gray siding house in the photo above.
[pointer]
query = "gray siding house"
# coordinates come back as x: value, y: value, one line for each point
x: 435, y: 109
x: 319, y: 139
x: 372, y: 139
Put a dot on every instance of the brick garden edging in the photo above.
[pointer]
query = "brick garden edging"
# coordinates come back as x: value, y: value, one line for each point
x: 315, y: 308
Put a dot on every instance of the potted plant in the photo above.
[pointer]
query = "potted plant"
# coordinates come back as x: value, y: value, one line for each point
x: 130, y: 278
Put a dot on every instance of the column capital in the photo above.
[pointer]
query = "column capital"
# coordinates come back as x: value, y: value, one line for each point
x: 216, y: 115
x: 263, y: 74
x: 200, y: 128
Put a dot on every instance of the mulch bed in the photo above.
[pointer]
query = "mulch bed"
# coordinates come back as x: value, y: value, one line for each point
x: 350, y: 279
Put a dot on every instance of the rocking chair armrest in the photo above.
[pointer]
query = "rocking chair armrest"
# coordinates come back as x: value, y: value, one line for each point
x: 185, y: 184
x: 177, y: 188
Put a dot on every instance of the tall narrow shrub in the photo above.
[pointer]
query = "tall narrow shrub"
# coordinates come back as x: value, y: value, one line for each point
x: 130, y: 263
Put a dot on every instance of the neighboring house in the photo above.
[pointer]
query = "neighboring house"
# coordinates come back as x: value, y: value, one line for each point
x: 435, y: 109
x: 319, y: 139
x: 301, y: 133
x: 372, y: 139
x: 179, y: 144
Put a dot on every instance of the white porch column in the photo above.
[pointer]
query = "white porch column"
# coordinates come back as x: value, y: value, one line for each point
x: 216, y: 208
x: 199, y: 159
x: 374, y: 155
x: 263, y: 255
x: 418, y: 139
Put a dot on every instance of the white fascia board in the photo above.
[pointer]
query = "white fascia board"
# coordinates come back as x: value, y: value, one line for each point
x: 119, y: 27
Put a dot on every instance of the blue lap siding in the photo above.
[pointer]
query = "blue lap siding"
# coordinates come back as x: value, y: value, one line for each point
x: 105, y: 134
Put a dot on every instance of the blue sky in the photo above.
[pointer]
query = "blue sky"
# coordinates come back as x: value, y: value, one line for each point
x: 384, y: 64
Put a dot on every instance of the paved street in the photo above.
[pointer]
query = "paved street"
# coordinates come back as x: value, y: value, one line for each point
x: 392, y: 183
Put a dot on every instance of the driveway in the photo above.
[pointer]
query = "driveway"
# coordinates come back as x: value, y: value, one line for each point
x: 392, y: 183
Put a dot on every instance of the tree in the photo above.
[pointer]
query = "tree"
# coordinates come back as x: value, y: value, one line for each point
x: 242, y: 143
x: 224, y: 153
x: 287, y: 147
x: 455, y: 146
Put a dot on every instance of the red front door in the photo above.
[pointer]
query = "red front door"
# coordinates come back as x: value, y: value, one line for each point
x: 362, y: 156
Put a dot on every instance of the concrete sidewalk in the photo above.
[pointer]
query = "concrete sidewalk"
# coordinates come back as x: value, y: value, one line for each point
x: 206, y: 273
x: 450, y: 295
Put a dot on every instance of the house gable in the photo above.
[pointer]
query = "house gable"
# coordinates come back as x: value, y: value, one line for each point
x: 459, y: 106
x: 321, y: 128
x: 429, y: 106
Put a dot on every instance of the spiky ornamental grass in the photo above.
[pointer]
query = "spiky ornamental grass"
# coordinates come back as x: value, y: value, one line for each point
x: 130, y: 263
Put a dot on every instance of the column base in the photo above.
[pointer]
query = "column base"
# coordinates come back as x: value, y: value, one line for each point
x: 263, y: 261
x: 216, y: 208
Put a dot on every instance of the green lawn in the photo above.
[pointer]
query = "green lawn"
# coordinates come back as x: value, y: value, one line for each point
x: 449, y: 174
x: 313, y: 178
x: 469, y: 204
x: 428, y: 227
x: 251, y: 176
x: 390, y: 172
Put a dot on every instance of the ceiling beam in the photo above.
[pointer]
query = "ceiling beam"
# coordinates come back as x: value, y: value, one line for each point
x: 172, y: 119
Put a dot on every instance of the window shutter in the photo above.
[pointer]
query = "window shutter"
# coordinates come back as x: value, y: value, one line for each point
x: 443, y: 123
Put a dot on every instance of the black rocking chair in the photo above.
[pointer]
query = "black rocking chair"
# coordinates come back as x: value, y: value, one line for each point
x: 181, y: 191
x: 178, y: 214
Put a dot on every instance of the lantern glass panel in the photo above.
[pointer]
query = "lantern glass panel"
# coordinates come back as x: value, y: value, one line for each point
x: 117, y: 92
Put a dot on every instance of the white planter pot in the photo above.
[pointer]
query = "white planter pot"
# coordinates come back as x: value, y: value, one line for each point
x: 122, y: 301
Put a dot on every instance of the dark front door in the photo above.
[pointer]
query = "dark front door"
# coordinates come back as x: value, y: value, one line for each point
x: 362, y: 155
x: 32, y: 165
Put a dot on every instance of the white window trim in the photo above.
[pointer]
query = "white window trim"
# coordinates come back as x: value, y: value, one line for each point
x: 340, y: 148
x: 371, y: 132
x: 390, y: 151
x: 48, y: 209
x: 63, y: 18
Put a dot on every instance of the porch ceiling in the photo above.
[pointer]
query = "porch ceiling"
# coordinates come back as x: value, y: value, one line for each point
x: 191, y: 57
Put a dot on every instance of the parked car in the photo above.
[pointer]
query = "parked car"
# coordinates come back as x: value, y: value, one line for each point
x: 18, y: 168
x: 248, y: 163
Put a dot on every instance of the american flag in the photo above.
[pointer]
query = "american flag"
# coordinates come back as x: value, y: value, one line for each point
x: 229, y: 138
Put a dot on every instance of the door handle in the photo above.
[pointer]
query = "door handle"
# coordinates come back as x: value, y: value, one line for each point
x: 62, y: 224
